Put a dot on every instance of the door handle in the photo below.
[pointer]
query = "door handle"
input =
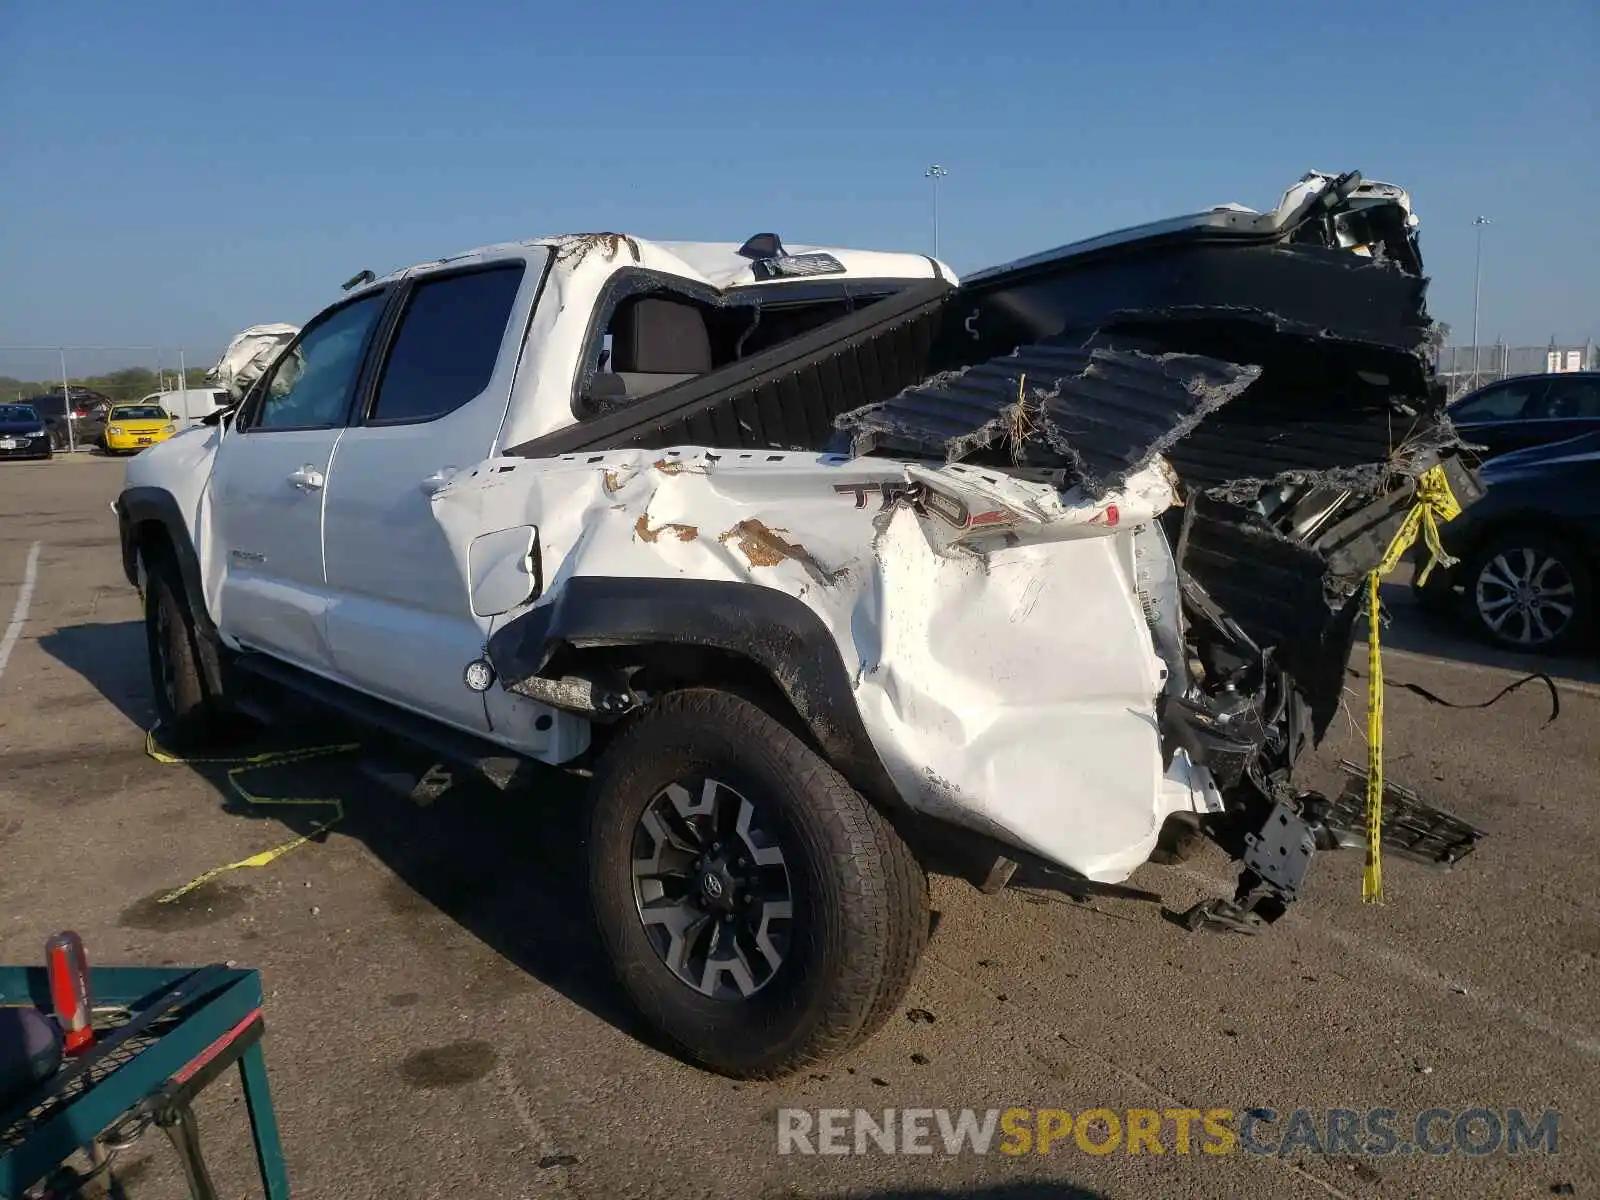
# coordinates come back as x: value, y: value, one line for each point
x: 438, y: 479
x: 307, y: 478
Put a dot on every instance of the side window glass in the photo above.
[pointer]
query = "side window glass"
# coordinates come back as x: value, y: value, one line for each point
x: 1575, y: 399
x: 310, y: 386
x: 1504, y: 403
x: 449, y: 340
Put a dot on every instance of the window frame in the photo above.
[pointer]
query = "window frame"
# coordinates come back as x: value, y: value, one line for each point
x: 631, y: 282
x: 1573, y: 381
x: 360, y: 415
x: 1540, y: 386
x: 250, y: 408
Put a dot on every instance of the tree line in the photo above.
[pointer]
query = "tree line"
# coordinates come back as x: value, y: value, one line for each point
x: 129, y: 383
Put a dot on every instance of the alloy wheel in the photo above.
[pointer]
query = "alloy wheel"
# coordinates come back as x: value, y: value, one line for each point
x: 1525, y: 597
x: 712, y: 888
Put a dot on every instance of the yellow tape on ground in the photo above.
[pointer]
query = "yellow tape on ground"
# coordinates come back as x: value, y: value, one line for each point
x: 1435, y: 502
x: 240, y: 766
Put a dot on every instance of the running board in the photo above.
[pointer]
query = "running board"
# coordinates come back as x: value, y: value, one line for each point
x: 1410, y: 828
x: 495, y: 763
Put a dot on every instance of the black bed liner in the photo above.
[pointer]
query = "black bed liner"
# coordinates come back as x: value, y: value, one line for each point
x: 784, y: 398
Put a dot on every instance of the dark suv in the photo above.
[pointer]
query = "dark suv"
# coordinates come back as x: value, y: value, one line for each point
x: 88, y: 410
x: 1529, y: 410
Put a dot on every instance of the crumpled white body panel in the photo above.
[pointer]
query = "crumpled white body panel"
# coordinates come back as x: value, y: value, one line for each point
x: 1008, y: 681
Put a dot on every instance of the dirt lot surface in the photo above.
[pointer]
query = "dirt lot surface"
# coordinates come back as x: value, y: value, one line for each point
x: 440, y: 1024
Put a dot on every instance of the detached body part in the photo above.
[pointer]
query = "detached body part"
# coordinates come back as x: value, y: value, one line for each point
x: 816, y: 558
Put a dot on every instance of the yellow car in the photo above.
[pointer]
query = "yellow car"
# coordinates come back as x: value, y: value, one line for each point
x: 132, y: 427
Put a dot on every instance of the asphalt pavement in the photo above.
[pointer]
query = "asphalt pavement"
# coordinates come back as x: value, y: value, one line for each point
x: 440, y: 1023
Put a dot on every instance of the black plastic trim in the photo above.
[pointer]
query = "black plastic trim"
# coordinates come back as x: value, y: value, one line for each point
x: 495, y: 762
x: 769, y: 628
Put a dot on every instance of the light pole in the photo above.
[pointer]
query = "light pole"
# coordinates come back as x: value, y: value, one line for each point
x: 935, y: 173
x: 1477, y: 280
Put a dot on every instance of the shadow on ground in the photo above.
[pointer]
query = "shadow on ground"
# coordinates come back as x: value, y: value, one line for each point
x: 112, y: 658
x: 1444, y: 635
x: 505, y: 865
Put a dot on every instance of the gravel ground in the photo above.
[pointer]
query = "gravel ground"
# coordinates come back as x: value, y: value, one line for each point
x: 439, y: 1023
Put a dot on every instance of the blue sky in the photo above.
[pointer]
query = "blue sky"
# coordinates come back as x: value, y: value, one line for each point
x: 175, y: 171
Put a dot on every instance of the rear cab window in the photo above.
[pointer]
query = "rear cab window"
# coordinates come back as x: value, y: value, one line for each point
x: 446, y: 345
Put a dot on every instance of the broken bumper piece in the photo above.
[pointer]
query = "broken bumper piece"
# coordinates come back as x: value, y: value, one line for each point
x: 1277, y: 856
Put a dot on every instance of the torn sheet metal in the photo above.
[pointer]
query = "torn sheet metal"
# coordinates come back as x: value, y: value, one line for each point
x: 1102, y: 408
x: 942, y: 590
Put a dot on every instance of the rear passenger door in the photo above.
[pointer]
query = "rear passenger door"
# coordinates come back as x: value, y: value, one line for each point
x: 401, y: 624
x: 1571, y: 406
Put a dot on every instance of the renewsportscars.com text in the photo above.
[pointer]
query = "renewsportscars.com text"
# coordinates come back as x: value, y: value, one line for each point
x: 1373, y: 1132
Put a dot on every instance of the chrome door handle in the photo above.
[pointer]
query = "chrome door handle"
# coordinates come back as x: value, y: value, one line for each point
x: 438, y: 479
x: 307, y: 478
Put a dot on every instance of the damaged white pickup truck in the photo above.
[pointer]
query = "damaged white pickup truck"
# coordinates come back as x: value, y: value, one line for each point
x: 816, y: 557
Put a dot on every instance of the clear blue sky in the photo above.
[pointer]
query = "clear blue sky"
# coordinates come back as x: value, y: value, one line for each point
x: 173, y: 172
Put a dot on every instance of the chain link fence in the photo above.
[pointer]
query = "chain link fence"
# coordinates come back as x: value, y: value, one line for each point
x: 1463, y: 368
x: 73, y: 387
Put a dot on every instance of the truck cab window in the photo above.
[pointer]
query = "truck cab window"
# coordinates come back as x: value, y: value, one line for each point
x: 447, y: 346
x: 309, y: 388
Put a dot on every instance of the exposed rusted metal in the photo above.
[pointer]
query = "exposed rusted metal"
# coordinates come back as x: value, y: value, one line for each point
x: 684, y: 533
x: 764, y: 547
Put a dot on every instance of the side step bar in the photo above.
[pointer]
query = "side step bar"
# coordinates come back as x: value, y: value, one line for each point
x: 265, y: 680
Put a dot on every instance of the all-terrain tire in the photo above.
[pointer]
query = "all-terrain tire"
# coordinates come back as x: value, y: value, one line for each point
x: 859, y: 897
x: 189, y: 716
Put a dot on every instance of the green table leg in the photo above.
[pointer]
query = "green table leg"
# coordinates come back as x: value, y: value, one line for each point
x: 264, y: 1124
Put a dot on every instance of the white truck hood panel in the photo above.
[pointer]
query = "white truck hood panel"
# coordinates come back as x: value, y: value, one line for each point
x: 1009, y: 688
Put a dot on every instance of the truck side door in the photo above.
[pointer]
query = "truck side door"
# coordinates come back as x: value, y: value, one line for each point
x: 267, y: 488
x: 401, y: 623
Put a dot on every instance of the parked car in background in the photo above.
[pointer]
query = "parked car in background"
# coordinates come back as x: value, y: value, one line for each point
x: 1528, y: 410
x: 87, y: 410
x: 1529, y: 550
x: 188, y: 406
x: 22, y: 432
x: 132, y: 427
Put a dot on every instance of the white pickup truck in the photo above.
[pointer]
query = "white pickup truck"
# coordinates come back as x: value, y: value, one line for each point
x: 814, y: 557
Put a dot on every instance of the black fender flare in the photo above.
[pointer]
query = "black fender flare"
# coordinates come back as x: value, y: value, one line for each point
x: 139, y: 507
x: 769, y: 628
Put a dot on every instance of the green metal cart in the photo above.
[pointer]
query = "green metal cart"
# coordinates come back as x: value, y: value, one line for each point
x: 160, y: 1036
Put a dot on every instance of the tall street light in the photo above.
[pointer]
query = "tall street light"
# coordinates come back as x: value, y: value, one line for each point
x: 935, y: 173
x: 1477, y: 280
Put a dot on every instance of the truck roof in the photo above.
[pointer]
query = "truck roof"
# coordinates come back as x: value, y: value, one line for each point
x: 761, y: 260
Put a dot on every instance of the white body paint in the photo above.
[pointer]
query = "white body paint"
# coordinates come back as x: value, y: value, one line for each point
x: 1007, y: 678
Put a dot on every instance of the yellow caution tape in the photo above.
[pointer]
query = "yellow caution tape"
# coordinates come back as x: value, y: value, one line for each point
x: 1435, y: 503
x: 240, y: 766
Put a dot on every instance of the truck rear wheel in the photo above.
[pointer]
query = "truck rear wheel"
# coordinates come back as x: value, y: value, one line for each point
x: 757, y: 910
